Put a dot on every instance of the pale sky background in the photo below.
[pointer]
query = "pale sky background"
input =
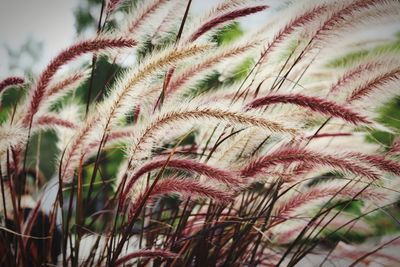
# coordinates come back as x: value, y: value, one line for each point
x: 48, y: 21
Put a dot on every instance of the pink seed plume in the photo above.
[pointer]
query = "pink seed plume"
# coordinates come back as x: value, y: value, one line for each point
x: 63, y: 58
x: 185, y: 187
x: 225, y: 18
x: 353, y: 74
x: 395, y: 148
x: 49, y: 120
x: 65, y: 83
x: 114, y: 136
x: 67, y: 170
x: 291, y: 27
x: 187, y: 165
x: 148, y: 12
x: 379, y: 162
x: 112, y: 5
x: 341, y: 15
x: 298, y: 155
x: 10, y: 81
x: 313, y: 103
x: 373, y: 85
x: 182, y: 78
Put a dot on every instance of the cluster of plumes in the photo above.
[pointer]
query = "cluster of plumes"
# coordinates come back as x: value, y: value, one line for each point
x: 277, y: 155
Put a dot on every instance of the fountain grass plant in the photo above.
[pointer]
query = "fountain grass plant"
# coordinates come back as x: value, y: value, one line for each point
x: 254, y: 151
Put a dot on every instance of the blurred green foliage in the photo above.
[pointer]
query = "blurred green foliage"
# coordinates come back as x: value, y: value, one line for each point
x: 354, y: 57
x: 24, y: 57
x: 389, y: 116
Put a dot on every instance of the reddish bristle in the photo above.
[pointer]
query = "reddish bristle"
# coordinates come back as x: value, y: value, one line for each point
x: 315, y: 104
x: 10, y: 81
x: 225, y: 18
